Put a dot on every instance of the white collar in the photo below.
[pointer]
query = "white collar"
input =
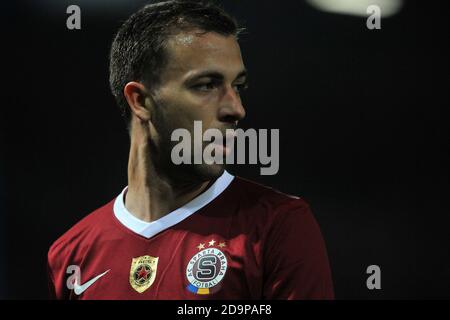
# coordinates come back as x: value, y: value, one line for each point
x: 149, y: 229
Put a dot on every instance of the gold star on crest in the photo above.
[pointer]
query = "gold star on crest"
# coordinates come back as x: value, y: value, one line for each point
x: 211, y: 243
x: 201, y: 246
x: 222, y: 244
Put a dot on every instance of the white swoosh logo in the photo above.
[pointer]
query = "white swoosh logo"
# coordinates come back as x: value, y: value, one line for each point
x: 79, y: 289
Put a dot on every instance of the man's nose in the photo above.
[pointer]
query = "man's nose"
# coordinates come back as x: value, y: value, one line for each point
x: 231, y: 108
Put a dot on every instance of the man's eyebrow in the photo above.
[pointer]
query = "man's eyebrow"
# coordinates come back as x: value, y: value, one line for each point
x: 242, y: 74
x: 214, y: 75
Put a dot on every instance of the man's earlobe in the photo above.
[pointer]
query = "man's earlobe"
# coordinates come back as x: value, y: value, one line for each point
x: 139, y: 101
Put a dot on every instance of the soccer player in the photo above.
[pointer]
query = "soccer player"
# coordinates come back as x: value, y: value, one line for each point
x: 187, y: 231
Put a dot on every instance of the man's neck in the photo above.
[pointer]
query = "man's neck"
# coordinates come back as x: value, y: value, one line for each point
x: 150, y: 194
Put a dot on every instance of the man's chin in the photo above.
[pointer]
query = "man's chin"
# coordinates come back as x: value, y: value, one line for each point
x: 212, y: 171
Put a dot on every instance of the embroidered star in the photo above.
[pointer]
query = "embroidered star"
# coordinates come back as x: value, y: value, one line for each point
x: 143, y: 274
x: 211, y: 243
x: 201, y: 246
x: 222, y: 244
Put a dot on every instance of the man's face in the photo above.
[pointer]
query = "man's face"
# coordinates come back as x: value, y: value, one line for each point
x: 201, y: 82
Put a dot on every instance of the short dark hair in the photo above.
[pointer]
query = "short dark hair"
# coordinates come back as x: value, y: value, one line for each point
x: 138, y: 50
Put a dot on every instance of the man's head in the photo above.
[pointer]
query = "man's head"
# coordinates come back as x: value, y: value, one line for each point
x: 173, y: 63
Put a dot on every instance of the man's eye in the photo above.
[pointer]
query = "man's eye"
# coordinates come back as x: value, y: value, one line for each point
x: 240, y: 87
x: 205, y: 86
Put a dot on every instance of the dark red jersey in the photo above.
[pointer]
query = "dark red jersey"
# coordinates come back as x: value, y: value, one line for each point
x: 237, y: 240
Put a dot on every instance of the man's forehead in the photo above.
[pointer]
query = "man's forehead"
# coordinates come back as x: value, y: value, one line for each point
x: 195, y: 50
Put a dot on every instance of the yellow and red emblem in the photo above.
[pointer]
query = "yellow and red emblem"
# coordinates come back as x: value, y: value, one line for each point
x: 143, y: 272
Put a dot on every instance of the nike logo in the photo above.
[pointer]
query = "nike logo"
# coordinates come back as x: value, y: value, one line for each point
x: 79, y: 289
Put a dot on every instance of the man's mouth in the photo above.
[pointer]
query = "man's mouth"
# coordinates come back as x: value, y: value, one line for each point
x: 225, y: 145
x: 229, y: 138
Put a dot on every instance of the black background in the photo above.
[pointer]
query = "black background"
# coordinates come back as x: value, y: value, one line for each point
x: 361, y: 116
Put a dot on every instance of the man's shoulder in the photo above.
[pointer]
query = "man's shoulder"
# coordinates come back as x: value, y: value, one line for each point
x: 84, y: 230
x: 256, y: 191
x: 264, y: 212
x: 268, y: 197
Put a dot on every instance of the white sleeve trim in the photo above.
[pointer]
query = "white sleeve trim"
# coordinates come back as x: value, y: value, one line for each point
x: 149, y: 229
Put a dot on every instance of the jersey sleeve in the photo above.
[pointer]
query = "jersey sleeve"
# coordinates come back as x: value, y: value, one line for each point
x: 55, y: 272
x: 295, y: 259
x: 51, y: 284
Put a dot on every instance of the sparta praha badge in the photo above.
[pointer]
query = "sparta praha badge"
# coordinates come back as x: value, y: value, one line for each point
x: 206, y: 269
x: 143, y: 272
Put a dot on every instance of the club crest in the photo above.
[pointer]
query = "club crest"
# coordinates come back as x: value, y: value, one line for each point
x: 143, y: 272
x: 206, y: 269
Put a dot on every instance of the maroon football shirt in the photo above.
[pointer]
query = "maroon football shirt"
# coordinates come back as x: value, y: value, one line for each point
x: 237, y: 240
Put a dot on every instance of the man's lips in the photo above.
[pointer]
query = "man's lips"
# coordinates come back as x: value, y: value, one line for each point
x: 229, y: 137
x: 226, y: 144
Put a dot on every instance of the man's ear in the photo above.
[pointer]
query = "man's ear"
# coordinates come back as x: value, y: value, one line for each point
x: 139, y: 100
